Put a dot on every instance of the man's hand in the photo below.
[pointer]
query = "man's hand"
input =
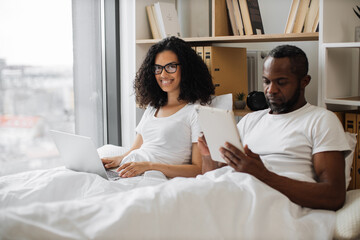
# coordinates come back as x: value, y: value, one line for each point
x: 207, y: 163
x: 203, y: 147
x: 247, y: 162
x: 133, y: 169
x: 111, y: 162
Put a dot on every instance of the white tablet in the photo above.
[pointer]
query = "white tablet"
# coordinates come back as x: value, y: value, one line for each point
x: 218, y: 126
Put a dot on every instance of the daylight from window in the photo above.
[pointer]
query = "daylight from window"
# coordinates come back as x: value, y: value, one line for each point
x: 36, y: 80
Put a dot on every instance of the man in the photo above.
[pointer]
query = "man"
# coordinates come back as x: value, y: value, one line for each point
x: 294, y: 147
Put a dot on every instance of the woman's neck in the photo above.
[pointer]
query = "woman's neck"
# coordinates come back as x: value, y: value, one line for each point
x: 171, y: 107
x: 174, y: 101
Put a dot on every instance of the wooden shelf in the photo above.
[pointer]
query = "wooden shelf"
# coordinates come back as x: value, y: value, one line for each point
x: 342, y: 45
x: 245, y: 39
x: 242, y: 112
x: 349, y: 101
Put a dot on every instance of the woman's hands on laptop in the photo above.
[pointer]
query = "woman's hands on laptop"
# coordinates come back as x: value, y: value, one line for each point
x: 112, y: 162
x: 130, y: 169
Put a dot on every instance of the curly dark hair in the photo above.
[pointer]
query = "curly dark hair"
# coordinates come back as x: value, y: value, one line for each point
x: 298, y: 59
x: 196, y: 82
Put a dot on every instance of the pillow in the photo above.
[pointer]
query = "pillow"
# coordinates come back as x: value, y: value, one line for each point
x: 110, y: 150
x: 347, y: 224
x: 224, y: 101
x: 351, y: 138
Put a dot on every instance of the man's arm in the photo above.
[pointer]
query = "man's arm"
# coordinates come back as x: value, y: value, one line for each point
x: 327, y: 193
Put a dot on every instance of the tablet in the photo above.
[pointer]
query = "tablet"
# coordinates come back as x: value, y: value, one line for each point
x: 218, y: 126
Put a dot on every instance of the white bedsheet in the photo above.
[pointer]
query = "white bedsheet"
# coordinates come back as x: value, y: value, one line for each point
x: 222, y: 204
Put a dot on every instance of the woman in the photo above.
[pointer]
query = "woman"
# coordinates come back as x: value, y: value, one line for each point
x: 170, y: 80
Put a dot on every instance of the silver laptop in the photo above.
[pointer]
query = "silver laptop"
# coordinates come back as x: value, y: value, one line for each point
x: 79, y: 154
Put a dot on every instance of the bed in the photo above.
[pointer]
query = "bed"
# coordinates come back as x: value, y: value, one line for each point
x: 222, y: 204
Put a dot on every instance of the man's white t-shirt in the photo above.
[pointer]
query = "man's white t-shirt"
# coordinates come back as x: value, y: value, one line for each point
x: 287, y: 142
x: 168, y: 139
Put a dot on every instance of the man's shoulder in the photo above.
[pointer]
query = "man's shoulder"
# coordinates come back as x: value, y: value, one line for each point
x: 254, y: 117
x: 318, y: 109
x: 317, y: 112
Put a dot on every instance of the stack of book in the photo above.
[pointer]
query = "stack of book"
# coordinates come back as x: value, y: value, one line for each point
x: 303, y: 16
x: 163, y: 20
x: 245, y: 17
x: 351, y: 123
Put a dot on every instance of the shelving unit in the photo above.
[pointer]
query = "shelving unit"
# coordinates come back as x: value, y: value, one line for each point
x: 339, y: 87
x: 220, y: 29
x: 245, y: 39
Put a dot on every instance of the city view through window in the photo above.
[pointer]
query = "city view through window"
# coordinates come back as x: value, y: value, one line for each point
x: 36, y: 81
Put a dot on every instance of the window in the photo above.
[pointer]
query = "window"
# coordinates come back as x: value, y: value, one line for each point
x: 36, y: 81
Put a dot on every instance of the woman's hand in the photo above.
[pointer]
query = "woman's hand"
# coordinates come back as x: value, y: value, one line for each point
x: 133, y: 169
x: 111, y: 162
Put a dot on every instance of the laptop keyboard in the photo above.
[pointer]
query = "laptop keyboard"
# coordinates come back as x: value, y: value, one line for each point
x: 112, y: 174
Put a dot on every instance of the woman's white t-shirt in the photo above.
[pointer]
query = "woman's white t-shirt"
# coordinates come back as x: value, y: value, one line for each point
x: 287, y: 142
x: 168, y: 139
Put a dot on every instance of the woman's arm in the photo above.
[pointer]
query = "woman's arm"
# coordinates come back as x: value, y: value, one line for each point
x: 136, y: 168
x: 111, y: 162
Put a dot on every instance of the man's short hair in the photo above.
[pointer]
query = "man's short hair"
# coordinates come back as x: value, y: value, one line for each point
x: 298, y: 60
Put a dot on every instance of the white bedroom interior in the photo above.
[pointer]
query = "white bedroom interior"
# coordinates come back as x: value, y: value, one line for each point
x: 69, y: 65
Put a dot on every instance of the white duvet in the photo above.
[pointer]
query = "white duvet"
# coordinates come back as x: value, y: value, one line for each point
x: 222, y: 204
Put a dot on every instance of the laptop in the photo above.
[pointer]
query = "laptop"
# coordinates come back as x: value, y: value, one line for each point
x: 79, y: 154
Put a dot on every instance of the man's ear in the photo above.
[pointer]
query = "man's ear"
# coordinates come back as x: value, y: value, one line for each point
x: 305, y: 81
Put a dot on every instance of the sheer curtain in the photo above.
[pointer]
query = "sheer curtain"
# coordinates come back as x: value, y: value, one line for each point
x: 128, y: 70
x: 88, y: 85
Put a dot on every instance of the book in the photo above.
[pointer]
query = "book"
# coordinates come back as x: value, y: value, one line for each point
x: 200, y: 51
x: 245, y: 17
x: 238, y: 18
x: 228, y: 67
x: 167, y: 19
x: 300, y: 16
x: 311, y: 16
x: 159, y: 21
x: 255, y: 17
x: 230, y: 7
x: 315, y: 27
x: 207, y: 56
x: 356, y: 163
x: 341, y: 117
x: 292, y: 16
x: 351, y: 126
x: 152, y: 22
x: 156, y: 21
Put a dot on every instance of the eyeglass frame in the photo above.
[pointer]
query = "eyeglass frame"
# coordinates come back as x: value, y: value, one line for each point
x: 164, y: 67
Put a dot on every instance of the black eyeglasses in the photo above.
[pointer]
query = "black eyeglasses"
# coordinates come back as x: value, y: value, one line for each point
x: 169, y: 68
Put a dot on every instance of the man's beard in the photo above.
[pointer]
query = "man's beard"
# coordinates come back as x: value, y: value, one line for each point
x: 287, y: 106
